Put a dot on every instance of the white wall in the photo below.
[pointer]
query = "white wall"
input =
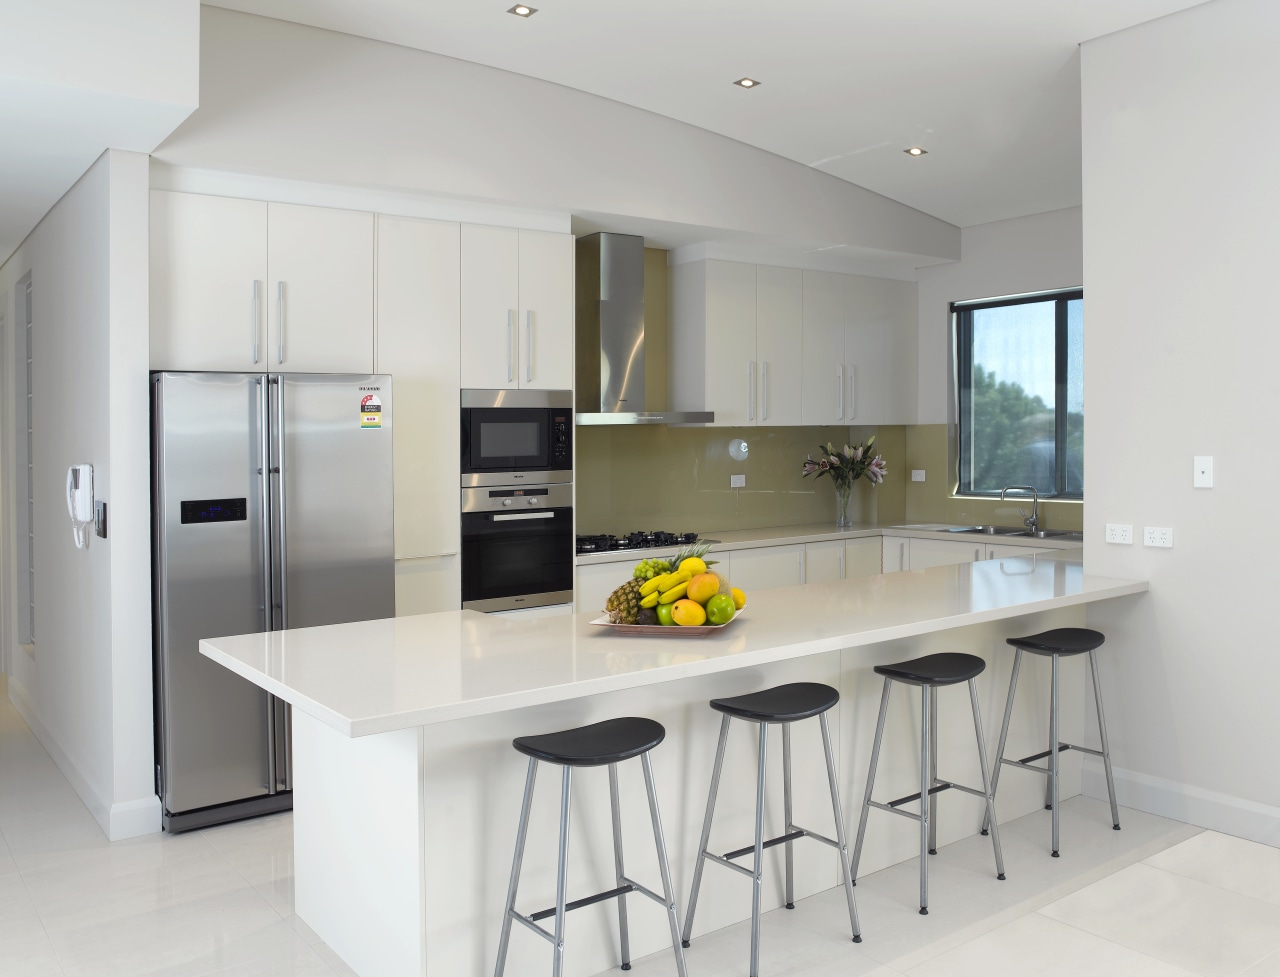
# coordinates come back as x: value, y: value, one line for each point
x: 1180, y: 246
x: 85, y: 687
x: 279, y: 99
x: 1009, y: 257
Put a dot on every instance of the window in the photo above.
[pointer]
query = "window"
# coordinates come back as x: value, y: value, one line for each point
x: 26, y: 471
x: 1020, y: 384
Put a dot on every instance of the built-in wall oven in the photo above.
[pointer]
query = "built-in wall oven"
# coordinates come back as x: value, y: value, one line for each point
x: 517, y: 499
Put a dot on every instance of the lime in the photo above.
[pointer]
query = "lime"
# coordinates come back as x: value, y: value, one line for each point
x: 720, y: 609
x: 664, y: 614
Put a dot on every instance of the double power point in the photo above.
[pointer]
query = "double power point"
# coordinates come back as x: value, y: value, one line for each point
x: 1158, y: 536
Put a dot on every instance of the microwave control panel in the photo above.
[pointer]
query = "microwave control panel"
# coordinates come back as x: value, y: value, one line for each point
x: 561, y: 440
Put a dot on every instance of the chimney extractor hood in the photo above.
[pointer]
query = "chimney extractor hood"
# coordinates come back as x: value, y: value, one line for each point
x: 610, y: 335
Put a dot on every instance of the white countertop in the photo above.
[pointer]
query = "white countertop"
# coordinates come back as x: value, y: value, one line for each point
x: 377, y: 676
x: 741, y: 539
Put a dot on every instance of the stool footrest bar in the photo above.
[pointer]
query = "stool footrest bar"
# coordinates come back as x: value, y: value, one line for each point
x: 893, y: 810
x: 1085, y: 749
x: 621, y: 890
x: 1062, y: 748
x: 936, y: 788
x: 728, y: 864
x: 969, y: 790
x: 549, y: 937
x: 641, y: 890
x: 817, y: 837
x: 780, y: 840
x: 1026, y: 766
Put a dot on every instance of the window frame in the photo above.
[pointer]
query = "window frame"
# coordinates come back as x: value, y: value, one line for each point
x: 962, y: 317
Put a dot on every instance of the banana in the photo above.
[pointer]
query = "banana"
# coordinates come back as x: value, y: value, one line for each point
x: 650, y: 599
x: 653, y: 585
x: 674, y: 580
x: 674, y: 594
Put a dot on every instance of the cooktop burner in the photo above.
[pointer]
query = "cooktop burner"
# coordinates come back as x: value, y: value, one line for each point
x: 634, y: 541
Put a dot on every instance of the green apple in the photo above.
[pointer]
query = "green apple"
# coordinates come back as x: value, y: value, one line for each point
x: 720, y: 609
x: 664, y: 614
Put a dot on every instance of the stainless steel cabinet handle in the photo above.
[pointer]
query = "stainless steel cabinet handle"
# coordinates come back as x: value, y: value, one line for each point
x: 511, y: 345
x: 528, y: 347
x: 853, y: 394
x: 279, y: 322
x: 841, y: 554
x: 902, y: 556
x: 256, y: 316
x: 271, y: 744
x: 280, y: 483
x: 512, y: 516
x: 977, y: 554
x: 840, y: 392
x: 751, y: 390
x: 800, y: 566
x: 764, y: 390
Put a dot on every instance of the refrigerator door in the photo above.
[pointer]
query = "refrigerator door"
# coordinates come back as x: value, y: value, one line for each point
x: 210, y: 550
x: 335, y: 552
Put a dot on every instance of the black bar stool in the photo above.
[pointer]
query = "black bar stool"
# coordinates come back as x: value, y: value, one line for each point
x: 930, y: 673
x: 782, y: 705
x: 609, y: 742
x: 1055, y: 644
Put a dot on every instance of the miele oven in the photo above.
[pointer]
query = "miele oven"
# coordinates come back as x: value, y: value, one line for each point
x: 517, y: 436
x: 517, y: 546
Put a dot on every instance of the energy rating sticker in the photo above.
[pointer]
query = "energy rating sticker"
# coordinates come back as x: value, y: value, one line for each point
x: 370, y: 411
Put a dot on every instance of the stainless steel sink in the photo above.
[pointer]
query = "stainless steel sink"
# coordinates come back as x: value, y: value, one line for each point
x: 990, y: 530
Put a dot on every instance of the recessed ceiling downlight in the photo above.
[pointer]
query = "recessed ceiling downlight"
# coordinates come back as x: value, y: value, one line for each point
x: 520, y: 10
x: 747, y: 83
x: 916, y: 151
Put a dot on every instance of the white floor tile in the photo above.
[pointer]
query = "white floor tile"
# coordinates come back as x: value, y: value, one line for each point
x: 18, y: 915
x: 30, y: 955
x: 1268, y: 966
x: 1199, y: 927
x: 1231, y: 863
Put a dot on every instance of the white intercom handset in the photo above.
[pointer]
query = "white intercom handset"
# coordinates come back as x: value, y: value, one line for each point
x: 80, y: 502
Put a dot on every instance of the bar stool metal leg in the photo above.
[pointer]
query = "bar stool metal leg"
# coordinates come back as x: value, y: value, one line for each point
x: 1106, y: 747
x: 664, y: 868
x: 840, y: 833
x: 933, y: 772
x: 925, y: 799
x: 871, y: 779
x: 562, y: 872
x: 1053, y: 755
x: 758, y: 873
x: 522, y: 832
x: 786, y: 813
x: 701, y: 861
x: 1004, y: 734
x: 619, y: 871
x: 987, y: 785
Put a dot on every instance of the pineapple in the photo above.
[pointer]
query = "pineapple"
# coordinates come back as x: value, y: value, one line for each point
x: 698, y: 549
x: 623, y: 605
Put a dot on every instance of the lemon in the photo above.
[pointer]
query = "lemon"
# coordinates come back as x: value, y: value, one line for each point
x: 703, y: 587
x: 688, y: 613
x: 739, y: 598
x: 695, y: 565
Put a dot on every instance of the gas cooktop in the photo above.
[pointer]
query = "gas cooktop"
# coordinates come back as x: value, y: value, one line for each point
x: 634, y: 541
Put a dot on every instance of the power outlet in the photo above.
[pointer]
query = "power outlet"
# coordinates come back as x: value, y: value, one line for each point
x: 1161, y: 536
x: 1119, y: 533
x: 737, y: 481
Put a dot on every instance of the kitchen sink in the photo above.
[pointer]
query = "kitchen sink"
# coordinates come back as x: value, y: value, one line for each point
x: 1018, y: 531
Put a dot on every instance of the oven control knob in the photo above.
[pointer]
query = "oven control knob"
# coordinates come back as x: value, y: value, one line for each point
x: 506, y: 501
x: 533, y: 501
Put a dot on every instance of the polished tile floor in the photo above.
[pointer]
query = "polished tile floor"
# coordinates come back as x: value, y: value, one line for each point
x: 1158, y: 899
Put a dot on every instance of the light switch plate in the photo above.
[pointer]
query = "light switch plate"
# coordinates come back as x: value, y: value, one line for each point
x: 917, y: 474
x: 1161, y: 536
x: 1119, y: 533
x: 100, y: 519
x: 737, y: 481
x: 1202, y: 476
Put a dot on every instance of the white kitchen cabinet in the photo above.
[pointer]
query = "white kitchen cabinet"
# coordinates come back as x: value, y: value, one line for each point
x: 428, y: 586
x: 995, y: 551
x: 595, y: 582
x: 779, y: 317
x: 824, y: 562
x: 764, y: 567
x: 208, y: 282
x: 418, y: 344
x: 320, y: 295
x: 517, y: 309
x: 881, y: 326
x: 728, y: 345
x: 896, y: 553
x: 863, y: 557
x: 927, y: 553
x: 823, y: 348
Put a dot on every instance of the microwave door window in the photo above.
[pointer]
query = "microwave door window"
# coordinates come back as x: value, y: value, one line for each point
x: 506, y: 439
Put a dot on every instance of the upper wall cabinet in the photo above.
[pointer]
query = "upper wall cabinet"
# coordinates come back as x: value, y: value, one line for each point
x: 517, y: 309
x: 245, y: 285
x: 734, y: 342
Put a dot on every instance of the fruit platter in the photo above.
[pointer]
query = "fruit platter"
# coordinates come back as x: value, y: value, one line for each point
x: 681, y: 597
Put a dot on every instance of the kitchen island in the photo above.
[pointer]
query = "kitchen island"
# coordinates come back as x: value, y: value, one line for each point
x: 407, y: 789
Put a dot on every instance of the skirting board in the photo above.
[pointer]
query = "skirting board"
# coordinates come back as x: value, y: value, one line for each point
x: 1185, y: 802
x: 125, y: 819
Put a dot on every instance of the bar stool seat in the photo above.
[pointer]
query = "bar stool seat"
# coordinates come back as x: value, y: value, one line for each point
x: 611, y: 741
x: 1060, y: 641
x: 783, y: 704
x: 948, y: 668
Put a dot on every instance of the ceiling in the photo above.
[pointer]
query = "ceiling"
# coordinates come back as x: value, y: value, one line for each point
x: 989, y: 87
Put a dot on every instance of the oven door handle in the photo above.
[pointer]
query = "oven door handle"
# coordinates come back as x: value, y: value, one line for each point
x: 512, y: 516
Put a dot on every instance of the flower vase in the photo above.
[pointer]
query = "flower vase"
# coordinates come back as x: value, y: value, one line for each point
x: 842, y: 505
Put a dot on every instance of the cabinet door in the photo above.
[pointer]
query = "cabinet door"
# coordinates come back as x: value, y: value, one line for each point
x: 996, y: 551
x: 943, y: 552
x: 320, y: 304
x: 779, y: 316
x: 896, y: 553
x: 428, y: 586
x: 824, y: 562
x: 546, y: 311
x: 823, y: 396
x: 418, y: 339
x: 594, y: 583
x: 864, y: 350
x: 208, y: 282
x: 731, y: 366
x: 490, y: 306
x: 862, y: 557
x: 901, y: 353
x: 767, y: 566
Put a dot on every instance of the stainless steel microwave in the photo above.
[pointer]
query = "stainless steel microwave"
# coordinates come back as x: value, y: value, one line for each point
x: 513, y: 437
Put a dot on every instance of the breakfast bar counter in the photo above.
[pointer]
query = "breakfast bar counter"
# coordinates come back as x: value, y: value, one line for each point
x: 407, y: 789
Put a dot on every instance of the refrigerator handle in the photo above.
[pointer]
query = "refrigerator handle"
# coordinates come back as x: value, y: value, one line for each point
x: 271, y: 743
x: 264, y: 488
x: 283, y: 582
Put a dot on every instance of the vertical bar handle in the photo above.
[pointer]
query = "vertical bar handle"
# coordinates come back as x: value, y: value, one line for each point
x: 853, y: 394
x: 511, y: 345
x: 256, y: 318
x: 841, y: 554
x: 751, y: 390
x: 279, y: 322
x: 281, y: 527
x: 528, y: 346
x: 264, y: 486
x: 839, y: 391
x: 271, y: 744
x: 801, y: 567
x: 764, y: 390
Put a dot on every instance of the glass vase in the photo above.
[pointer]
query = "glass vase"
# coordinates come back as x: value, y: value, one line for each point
x: 842, y: 505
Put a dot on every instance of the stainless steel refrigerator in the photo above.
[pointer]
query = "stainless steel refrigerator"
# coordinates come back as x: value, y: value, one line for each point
x: 271, y: 509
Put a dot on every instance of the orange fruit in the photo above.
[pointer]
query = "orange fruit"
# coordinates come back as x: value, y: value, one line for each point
x: 703, y: 587
x: 739, y: 598
x: 688, y: 613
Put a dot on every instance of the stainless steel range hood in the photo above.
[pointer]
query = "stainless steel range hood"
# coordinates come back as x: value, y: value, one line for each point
x: 610, y: 335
